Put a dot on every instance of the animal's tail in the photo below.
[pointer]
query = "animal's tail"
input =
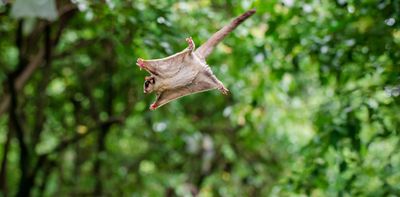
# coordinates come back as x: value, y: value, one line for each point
x: 204, y: 50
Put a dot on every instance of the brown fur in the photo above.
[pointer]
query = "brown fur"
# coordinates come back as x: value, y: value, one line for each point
x: 186, y: 72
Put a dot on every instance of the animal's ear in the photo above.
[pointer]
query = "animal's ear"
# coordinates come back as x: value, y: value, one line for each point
x: 150, y: 79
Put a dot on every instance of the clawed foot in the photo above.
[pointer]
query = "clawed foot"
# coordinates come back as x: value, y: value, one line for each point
x: 223, y: 90
x: 140, y: 63
x: 153, y: 106
x: 190, y: 43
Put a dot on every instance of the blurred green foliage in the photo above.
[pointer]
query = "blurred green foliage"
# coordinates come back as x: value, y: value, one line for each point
x: 313, y: 111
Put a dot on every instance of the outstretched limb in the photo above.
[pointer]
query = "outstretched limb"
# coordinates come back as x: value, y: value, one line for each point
x: 140, y: 63
x: 168, y: 96
x: 167, y: 66
x: 223, y: 89
x: 203, y: 82
x: 147, y: 65
x: 154, y: 106
x: 210, y: 78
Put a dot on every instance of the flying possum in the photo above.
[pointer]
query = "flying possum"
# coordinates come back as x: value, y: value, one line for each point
x: 186, y: 72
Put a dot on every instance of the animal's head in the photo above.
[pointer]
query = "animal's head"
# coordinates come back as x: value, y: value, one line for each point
x: 149, y: 84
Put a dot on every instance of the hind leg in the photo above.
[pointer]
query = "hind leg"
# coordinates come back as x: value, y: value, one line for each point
x: 223, y: 89
x: 191, y: 44
x: 216, y: 83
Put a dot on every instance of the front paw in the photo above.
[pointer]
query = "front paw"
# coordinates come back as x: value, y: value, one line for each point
x: 153, y: 106
x: 140, y: 63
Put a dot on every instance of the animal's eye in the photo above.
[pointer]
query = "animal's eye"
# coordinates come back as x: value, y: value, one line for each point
x: 146, y: 83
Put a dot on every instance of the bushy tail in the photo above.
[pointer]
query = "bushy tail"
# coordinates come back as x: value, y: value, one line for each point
x: 204, y: 50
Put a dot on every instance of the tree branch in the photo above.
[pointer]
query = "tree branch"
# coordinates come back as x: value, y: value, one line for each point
x: 37, y: 59
x: 104, y: 130
x: 41, y: 100
x: 14, y: 121
x: 3, y: 172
